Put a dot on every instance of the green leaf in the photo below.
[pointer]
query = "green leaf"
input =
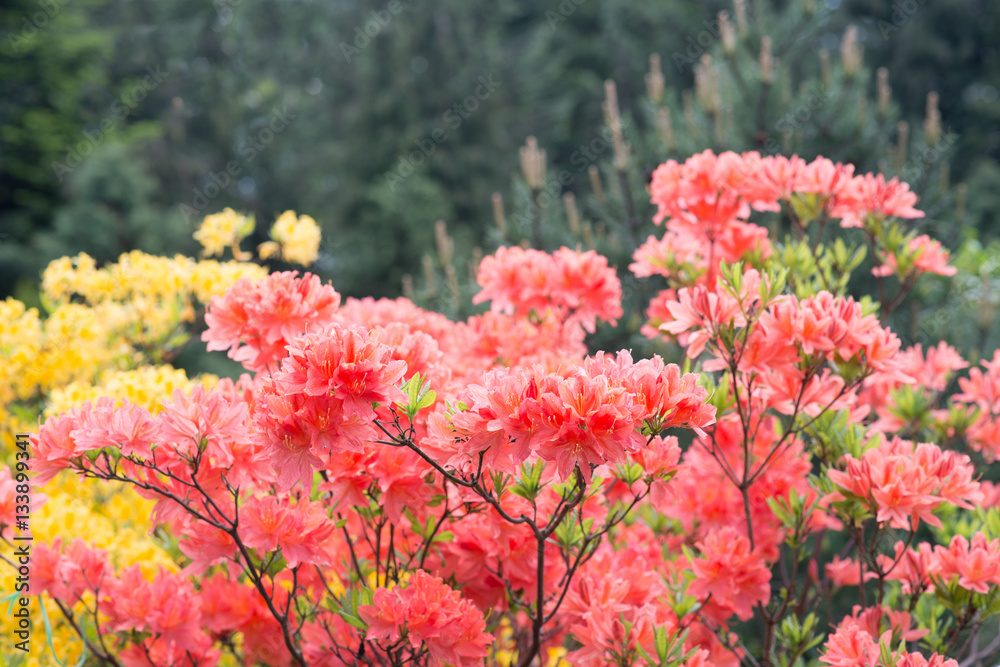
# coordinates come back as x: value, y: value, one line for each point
x: 427, y: 400
x: 645, y: 656
x: 277, y: 565
x: 418, y: 395
x: 350, y: 602
x: 660, y: 641
x: 530, y: 483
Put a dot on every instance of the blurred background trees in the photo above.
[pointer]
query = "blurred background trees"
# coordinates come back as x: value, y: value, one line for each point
x: 123, y: 122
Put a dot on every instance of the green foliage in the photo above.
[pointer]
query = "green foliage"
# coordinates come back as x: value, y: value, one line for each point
x: 418, y: 396
x: 349, y: 603
x: 362, y: 109
x: 798, y: 637
x: 53, y: 65
x: 669, y: 649
x: 530, y: 483
x: 110, y: 211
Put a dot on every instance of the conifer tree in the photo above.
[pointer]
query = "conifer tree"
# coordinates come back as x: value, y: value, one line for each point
x: 760, y: 84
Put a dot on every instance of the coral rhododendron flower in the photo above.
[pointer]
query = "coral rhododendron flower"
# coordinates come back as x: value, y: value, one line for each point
x: 729, y: 571
x: 904, y: 482
x: 168, y: 607
x: 847, y: 572
x: 982, y: 389
x: 54, y: 446
x: 912, y: 567
x: 871, y: 195
x: 975, y: 563
x: 254, y: 321
x: 357, y: 370
x: 926, y: 257
x: 588, y: 418
x: 579, y: 287
x: 131, y: 428
x: 856, y: 642
x: 322, y: 400
x: 427, y: 610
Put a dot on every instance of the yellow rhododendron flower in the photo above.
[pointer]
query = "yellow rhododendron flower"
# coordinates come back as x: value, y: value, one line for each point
x: 297, y: 237
x: 20, y: 340
x: 223, y: 230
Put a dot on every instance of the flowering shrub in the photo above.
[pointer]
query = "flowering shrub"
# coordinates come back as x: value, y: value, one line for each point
x: 385, y: 486
x: 108, y: 332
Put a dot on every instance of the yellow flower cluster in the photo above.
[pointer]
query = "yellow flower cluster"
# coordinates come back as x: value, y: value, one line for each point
x: 20, y: 341
x: 148, y: 296
x: 148, y: 386
x: 297, y: 238
x: 135, y: 275
x: 223, y: 230
x: 71, y: 344
x: 140, y: 276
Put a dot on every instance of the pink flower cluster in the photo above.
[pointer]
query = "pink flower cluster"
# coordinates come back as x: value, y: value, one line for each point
x: 213, y: 422
x: 574, y: 286
x: 855, y: 643
x: 428, y: 611
x: 254, y: 321
x: 929, y: 375
x: 975, y: 563
x: 706, y: 202
x: 904, y: 482
x: 784, y: 341
x: 322, y: 400
x: 730, y: 572
x: 168, y: 607
x: 538, y: 489
x: 589, y: 416
x: 301, y: 531
x: 982, y: 390
x: 926, y: 256
x: 619, y: 587
x: 711, y: 192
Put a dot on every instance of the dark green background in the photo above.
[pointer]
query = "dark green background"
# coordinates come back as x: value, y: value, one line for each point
x: 231, y: 64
